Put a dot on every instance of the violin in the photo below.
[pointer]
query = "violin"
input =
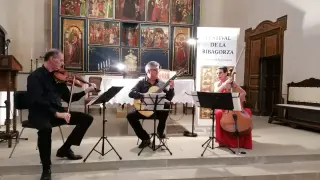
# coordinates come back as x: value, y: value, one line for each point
x: 236, y: 122
x: 63, y: 76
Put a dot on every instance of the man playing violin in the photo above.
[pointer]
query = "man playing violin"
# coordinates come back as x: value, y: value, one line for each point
x: 152, y: 70
x: 224, y: 86
x: 46, y: 111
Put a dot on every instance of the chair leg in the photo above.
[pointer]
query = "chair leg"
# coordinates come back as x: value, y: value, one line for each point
x: 141, y: 125
x: 61, y: 134
x: 17, y: 141
x: 175, y: 109
x: 185, y: 108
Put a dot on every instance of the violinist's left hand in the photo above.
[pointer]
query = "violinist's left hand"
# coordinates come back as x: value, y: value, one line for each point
x: 91, y: 88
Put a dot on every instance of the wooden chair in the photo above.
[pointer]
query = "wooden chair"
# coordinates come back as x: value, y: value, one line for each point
x: 91, y: 95
x: 20, y: 103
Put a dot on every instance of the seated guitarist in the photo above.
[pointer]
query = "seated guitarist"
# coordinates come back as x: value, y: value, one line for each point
x: 152, y: 70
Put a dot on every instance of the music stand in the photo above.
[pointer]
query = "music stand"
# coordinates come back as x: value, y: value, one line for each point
x: 103, y: 98
x: 215, y: 101
x: 154, y: 102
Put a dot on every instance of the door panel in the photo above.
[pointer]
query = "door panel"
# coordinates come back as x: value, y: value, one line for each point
x: 269, y: 89
x: 253, y: 81
x: 254, y: 56
x: 271, y: 43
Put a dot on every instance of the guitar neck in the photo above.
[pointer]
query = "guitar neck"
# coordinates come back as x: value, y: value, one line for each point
x: 166, y: 84
x: 172, y: 78
x: 163, y: 87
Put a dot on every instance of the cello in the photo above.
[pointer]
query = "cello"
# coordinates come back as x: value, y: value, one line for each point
x: 236, y: 122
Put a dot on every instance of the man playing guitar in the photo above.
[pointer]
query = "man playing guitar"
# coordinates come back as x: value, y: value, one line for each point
x: 152, y: 79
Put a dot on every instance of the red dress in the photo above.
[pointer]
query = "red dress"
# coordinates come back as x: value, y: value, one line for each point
x: 225, y: 139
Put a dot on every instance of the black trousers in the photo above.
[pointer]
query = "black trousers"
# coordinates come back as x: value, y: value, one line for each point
x: 134, y: 116
x: 82, y: 122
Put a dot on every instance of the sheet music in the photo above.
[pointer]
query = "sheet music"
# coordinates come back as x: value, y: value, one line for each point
x: 235, y: 99
x: 94, y: 99
x: 236, y: 102
x: 150, y: 98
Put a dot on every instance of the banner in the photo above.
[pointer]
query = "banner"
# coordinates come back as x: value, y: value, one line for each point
x: 216, y: 46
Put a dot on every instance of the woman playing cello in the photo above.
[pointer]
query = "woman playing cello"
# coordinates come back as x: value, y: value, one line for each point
x: 224, y: 138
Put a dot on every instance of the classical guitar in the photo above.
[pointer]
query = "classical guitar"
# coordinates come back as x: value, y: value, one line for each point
x: 154, y: 89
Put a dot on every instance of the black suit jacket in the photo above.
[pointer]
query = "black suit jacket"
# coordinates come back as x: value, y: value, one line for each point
x: 44, y: 97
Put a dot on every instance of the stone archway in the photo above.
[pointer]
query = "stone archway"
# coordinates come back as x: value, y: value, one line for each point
x: 3, y: 34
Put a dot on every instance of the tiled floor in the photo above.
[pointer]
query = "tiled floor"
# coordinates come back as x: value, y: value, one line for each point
x: 269, y: 140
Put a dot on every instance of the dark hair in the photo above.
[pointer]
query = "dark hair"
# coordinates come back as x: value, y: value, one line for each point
x: 51, y: 53
x: 223, y: 68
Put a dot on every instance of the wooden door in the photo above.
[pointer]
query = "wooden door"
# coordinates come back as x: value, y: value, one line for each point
x: 269, y: 85
x: 2, y: 42
x: 265, y: 40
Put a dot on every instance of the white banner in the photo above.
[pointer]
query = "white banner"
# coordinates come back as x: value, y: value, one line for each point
x: 216, y: 46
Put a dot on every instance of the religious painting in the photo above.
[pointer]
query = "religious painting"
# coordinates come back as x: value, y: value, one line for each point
x: 104, y: 32
x: 161, y: 56
x: 130, y: 57
x: 181, y: 49
x: 207, y: 80
x: 73, y: 7
x: 154, y: 36
x: 182, y: 11
x: 101, y: 9
x: 73, y: 42
x: 158, y: 10
x: 130, y: 10
x: 130, y: 34
x: 103, y: 59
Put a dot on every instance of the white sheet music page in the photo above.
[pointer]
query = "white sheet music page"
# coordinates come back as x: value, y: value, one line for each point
x: 93, y: 100
x: 150, y: 98
x: 236, y: 102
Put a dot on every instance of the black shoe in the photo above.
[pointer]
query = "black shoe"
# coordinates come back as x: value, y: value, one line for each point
x: 162, y: 136
x: 46, y: 175
x: 144, y: 143
x: 68, y: 154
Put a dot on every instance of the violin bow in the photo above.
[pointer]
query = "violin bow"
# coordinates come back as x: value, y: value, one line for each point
x: 233, y: 89
x: 234, y: 68
x: 69, y: 104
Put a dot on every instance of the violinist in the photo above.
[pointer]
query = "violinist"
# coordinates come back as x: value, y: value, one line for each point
x: 46, y: 111
x: 223, y: 138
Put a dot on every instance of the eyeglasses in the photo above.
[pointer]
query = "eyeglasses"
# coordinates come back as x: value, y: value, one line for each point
x: 156, y: 70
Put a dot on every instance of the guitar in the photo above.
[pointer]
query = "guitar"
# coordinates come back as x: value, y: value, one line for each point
x: 155, y: 89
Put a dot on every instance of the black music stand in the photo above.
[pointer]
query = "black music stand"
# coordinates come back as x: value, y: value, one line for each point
x: 215, y: 101
x: 154, y: 100
x: 103, y: 98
